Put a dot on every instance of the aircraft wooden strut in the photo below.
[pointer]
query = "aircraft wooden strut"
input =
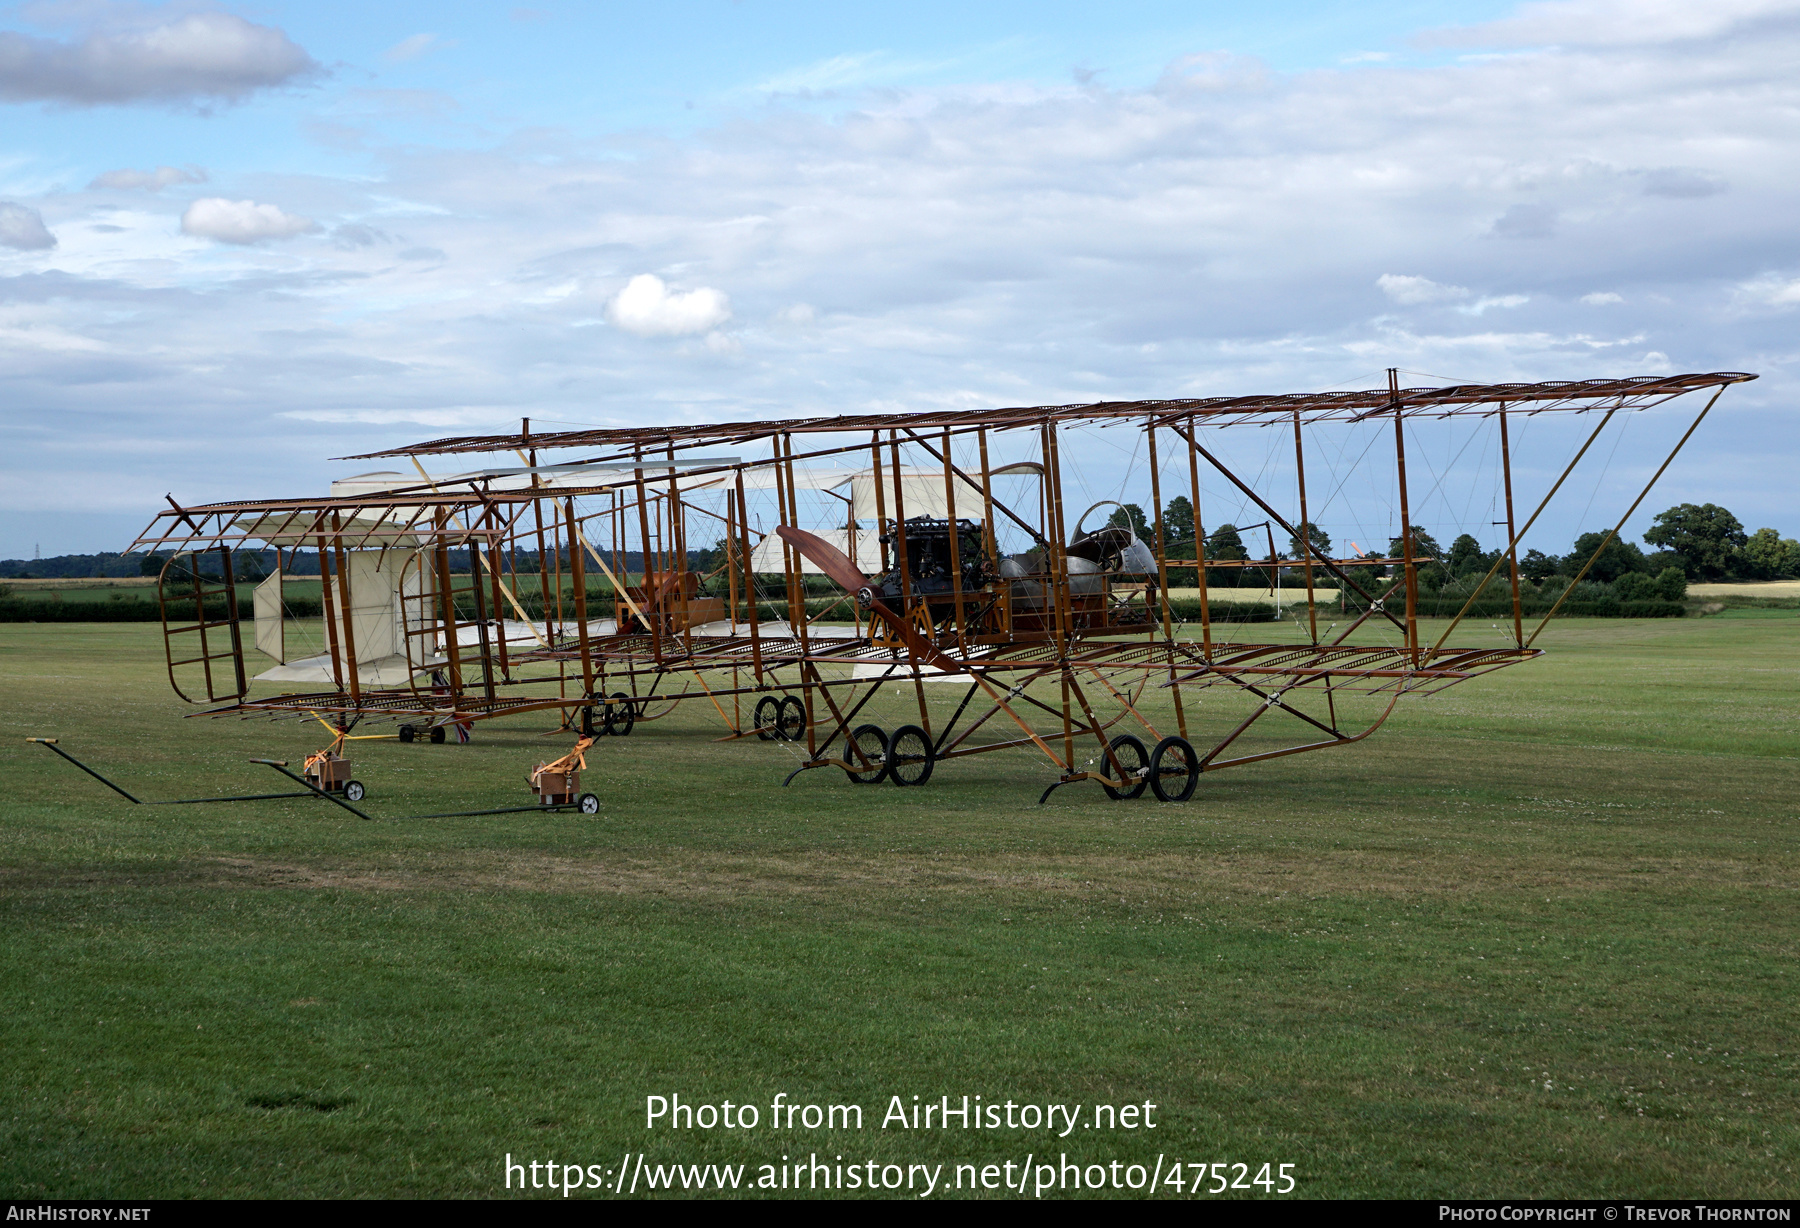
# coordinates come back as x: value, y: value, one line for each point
x: 452, y: 599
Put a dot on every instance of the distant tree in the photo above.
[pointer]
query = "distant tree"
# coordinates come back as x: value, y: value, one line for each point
x: 1635, y: 586
x: 1468, y: 558
x: 708, y: 561
x: 152, y: 564
x: 1178, y: 520
x: 1425, y: 546
x: 1707, y: 538
x: 1537, y: 566
x: 1374, y: 573
x: 1671, y: 584
x: 1131, y: 516
x: 1225, y: 543
x: 1615, y: 560
x: 1766, y: 556
x: 1319, y: 539
x: 1178, y: 540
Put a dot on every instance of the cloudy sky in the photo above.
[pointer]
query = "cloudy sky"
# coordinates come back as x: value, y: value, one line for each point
x: 235, y: 242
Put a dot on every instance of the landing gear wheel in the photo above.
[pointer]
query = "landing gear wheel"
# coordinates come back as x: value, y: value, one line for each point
x: 437, y: 735
x: 588, y: 728
x: 408, y: 733
x: 353, y: 790
x: 868, y: 744
x: 587, y: 803
x: 1174, y: 762
x: 909, y: 756
x: 620, y: 715
x: 1134, y: 761
x: 790, y: 724
x: 768, y: 713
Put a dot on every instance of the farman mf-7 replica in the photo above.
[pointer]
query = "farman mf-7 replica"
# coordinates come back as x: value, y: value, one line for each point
x: 887, y: 591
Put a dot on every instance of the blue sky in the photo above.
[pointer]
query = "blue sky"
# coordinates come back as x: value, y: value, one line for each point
x: 236, y: 241
x: 468, y: 75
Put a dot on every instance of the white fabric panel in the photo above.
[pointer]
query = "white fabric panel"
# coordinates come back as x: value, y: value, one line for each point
x: 384, y: 671
x: 923, y: 492
x: 292, y: 529
x: 376, y: 578
x: 526, y: 634
x: 763, y: 478
x: 271, y: 638
x: 765, y: 556
x: 902, y: 672
x: 462, y: 483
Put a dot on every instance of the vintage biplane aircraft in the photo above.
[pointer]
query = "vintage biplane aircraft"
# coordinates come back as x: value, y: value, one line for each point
x: 857, y: 565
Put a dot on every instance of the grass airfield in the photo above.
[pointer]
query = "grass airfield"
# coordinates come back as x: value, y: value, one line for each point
x: 1537, y: 936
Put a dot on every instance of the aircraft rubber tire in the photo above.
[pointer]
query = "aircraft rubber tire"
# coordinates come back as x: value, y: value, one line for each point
x: 1135, y: 760
x: 408, y: 733
x: 437, y: 735
x: 1182, y: 776
x: 790, y: 722
x: 620, y: 715
x: 768, y: 711
x: 871, y: 740
x: 909, y: 756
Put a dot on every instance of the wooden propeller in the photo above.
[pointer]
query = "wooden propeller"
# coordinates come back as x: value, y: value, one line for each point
x: 842, y: 572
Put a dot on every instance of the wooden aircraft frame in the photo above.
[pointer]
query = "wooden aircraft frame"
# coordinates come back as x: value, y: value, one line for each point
x: 1090, y: 647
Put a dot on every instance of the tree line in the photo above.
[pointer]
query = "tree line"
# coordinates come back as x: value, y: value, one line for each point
x: 1701, y: 543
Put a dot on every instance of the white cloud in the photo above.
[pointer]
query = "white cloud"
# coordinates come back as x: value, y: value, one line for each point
x: 1409, y: 291
x: 1479, y: 306
x: 1771, y: 291
x: 195, y: 57
x: 1590, y: 23
x: 996, y: 245
x: 23, y: 228
x: 241, y: 221
x: 1681, y: 183
x: 1602, y: 298
x: 1525, y: 222
x: 127, y: 180
x: 412, y: 48
x: 845, y: 72
x: 647, y: 308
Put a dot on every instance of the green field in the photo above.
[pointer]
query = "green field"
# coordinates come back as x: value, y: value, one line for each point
x: 1535, y: 937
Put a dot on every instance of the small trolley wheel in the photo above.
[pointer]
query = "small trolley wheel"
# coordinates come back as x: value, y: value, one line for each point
x: 587, y: 803
x: 790, y: 723
x: 353, y: 790
x: 768, y: 714
x: 909, y: 756
x: 867, y: 745
x: 620, y: 715
x: 437, y: 735
x: 408, y: 733
x: 1134, y: 761
x: 1174, y: 760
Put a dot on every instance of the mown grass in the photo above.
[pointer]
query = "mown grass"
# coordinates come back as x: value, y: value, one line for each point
x: 1535, y: 937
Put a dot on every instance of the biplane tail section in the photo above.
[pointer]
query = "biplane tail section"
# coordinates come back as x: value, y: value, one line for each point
x: 197, y: 593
